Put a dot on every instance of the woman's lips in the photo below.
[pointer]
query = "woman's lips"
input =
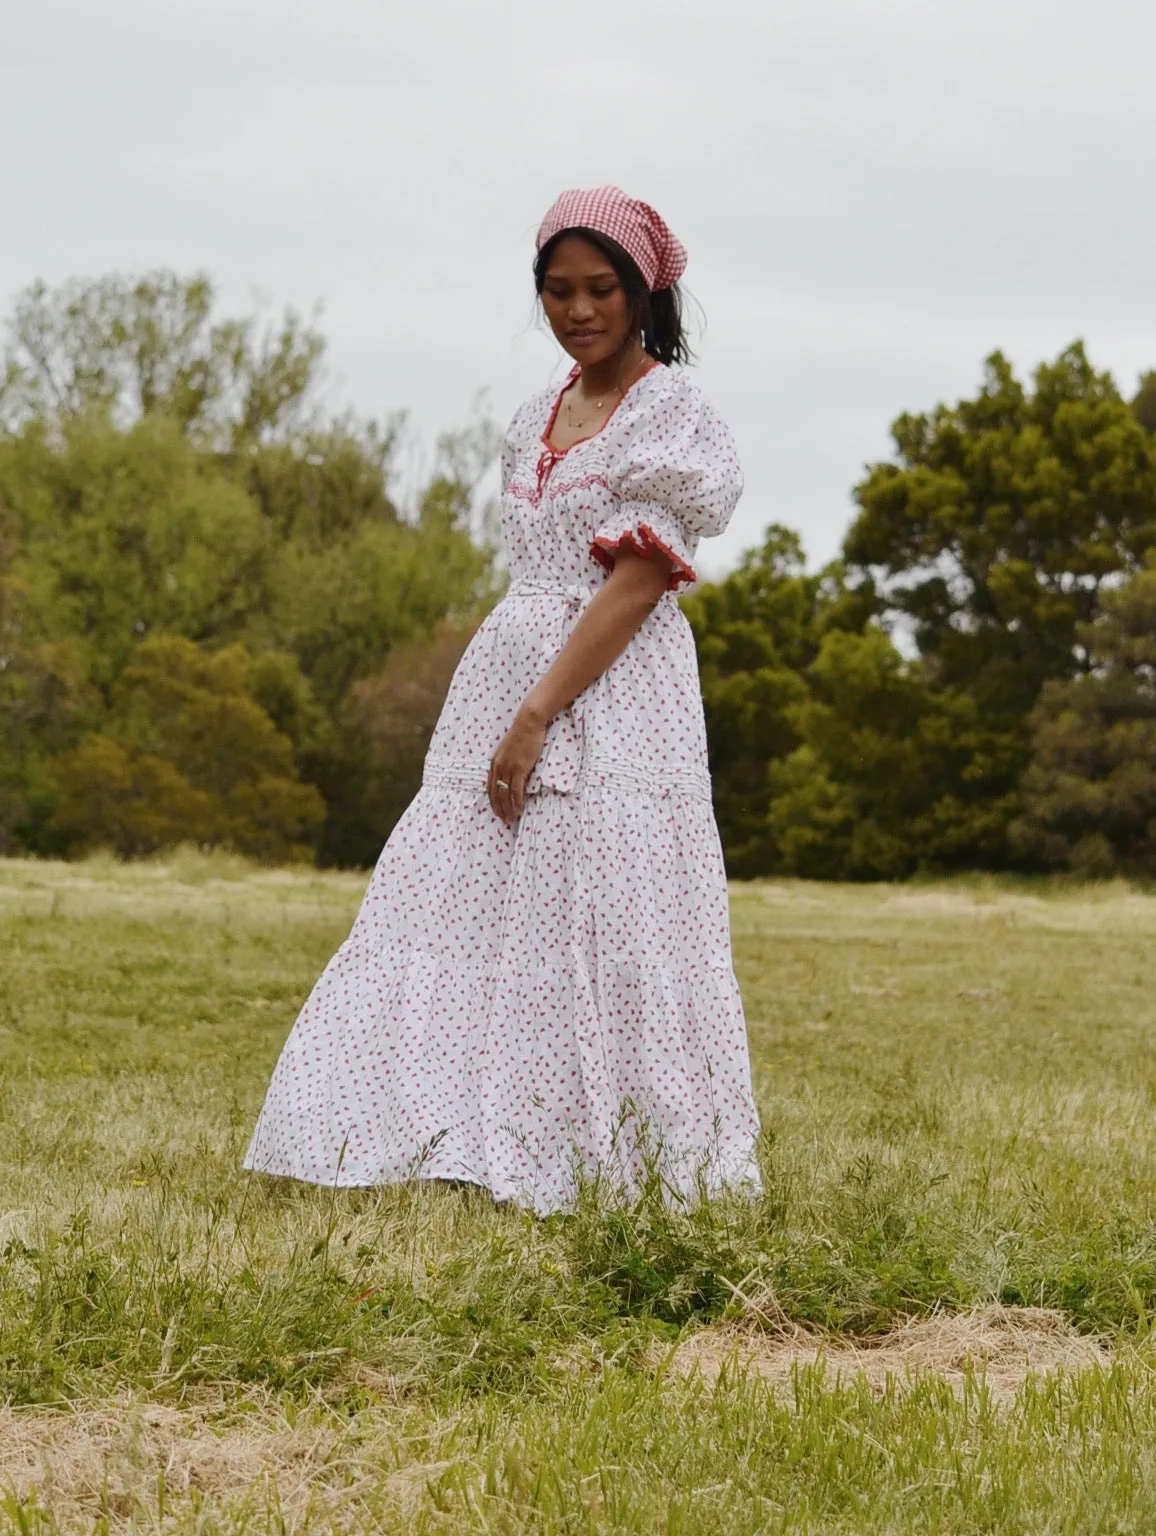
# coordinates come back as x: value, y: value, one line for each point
x: 583, y: 336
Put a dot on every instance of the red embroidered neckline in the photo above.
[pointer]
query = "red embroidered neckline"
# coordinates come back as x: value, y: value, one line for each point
x: 560, y: 453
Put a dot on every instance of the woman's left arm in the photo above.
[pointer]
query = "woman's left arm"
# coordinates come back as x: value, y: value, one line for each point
x: 611, y: 620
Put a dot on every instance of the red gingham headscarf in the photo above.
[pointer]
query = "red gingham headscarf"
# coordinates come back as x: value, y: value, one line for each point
x: 637, y: 228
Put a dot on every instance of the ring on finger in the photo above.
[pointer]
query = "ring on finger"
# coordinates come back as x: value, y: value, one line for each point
x: 501, y: 783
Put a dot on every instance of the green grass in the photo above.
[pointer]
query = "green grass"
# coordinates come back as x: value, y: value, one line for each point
x: 957, y: 1085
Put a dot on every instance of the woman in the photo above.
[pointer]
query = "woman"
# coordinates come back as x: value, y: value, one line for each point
x: 538, y: 986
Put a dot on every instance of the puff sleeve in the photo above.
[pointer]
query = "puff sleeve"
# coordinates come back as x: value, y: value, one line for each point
x: 507, y: 460
x: 677, y: 480
x: 514, y: 441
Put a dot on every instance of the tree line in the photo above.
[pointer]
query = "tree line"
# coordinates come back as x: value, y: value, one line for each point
x: 218, y: 624
x: 211, y: 605
x: 973, y: 684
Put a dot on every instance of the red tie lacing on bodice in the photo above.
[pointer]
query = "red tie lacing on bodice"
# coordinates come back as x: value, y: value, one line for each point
x: 546, y: 461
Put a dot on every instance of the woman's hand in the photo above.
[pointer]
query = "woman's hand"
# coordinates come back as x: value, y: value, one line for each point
x: 612, y: 618
x: 513, y: 762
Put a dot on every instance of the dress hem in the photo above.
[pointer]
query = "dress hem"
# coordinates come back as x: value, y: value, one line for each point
x: 740, y: 1179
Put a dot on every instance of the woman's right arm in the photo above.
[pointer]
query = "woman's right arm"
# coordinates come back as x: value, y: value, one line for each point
x: 609, y: 622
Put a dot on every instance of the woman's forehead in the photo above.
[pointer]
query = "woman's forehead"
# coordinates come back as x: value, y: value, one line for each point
x: 575, y: 257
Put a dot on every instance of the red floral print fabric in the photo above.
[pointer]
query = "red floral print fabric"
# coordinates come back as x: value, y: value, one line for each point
x: 520, y: 1007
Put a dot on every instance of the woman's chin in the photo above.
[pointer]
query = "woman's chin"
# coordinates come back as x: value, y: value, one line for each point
x: 588, y: 355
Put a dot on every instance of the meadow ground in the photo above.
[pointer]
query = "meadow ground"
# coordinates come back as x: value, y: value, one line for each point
x: 937, y: 1320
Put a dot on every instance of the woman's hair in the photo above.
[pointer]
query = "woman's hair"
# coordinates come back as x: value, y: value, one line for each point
x: 658, y: 316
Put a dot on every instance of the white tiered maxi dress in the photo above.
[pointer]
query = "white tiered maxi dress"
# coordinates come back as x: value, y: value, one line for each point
x: 519, y: 1008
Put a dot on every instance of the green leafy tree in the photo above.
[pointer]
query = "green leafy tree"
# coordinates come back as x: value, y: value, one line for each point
x: 130, y: 347
x: 165, y: 471
x: 187, y: 754
x: 368, y: 605
x: 131, y: 533
x: 757, y: 632
x: 341, y: 609
x: 1090, y: 789
x: 279, y: 686
x: 991, y: 537
x: 890, y: 774
x: 324, y: 484
x: 1002, y: 519
x: 44, y: 701
x: 125, y: 534
x: 1144, y: 403
x: 390, y: 718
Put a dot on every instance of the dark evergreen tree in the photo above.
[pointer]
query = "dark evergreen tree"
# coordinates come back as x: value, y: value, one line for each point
x: 1090, y: 789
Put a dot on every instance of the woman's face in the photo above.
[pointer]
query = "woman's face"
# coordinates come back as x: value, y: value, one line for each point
x: 584, y: 301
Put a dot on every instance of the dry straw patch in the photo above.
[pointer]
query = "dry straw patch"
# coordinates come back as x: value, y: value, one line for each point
x: 1001, y: 1345
x: 114, y: 1455
x: 114, y: 1460
x: 128, y: 1460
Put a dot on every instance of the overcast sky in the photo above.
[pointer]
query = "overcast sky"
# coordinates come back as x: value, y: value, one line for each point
x: 874, y: 193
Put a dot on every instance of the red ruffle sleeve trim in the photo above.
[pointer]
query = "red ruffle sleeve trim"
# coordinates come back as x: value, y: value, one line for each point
x: 644, y: 543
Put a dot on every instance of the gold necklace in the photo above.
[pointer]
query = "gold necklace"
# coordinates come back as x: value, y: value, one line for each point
x: 576, y: 426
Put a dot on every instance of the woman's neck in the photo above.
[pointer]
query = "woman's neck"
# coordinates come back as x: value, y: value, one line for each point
x: 615, y: 373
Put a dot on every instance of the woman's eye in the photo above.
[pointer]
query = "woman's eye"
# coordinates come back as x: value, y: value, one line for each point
x: 601, y: 293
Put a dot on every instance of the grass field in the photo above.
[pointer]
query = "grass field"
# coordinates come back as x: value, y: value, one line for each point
x: 937, y: 1319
